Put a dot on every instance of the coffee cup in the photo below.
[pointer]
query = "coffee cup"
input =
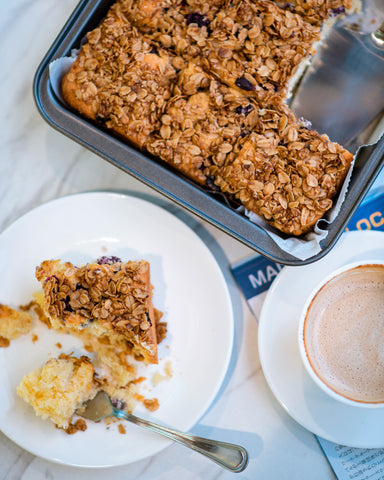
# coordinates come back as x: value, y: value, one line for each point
x: 341, y: 334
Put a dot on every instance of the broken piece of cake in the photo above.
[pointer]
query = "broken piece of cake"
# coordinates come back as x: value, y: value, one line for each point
x: 109, y: 300
x: 59, y: 388
x: 13, y: 324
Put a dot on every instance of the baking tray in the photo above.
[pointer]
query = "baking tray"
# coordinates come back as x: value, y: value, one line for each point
x: 211, y: 207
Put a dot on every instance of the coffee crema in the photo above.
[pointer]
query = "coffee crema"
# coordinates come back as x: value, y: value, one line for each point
x: 344, y: 334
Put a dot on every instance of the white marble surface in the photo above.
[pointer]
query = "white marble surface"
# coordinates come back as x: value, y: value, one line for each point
x: 38, y: 164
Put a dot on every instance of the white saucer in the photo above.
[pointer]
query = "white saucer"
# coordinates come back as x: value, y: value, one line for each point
x: 189, y: 287
x: 279, y: 351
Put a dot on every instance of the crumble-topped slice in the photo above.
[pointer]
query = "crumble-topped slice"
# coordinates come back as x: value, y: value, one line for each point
x: 257, y: 46
x: 201, y: 123
x: 120, y: 78
x: 109, y: 300
x: 59, y: 388
x: 285, y: 173
x: 254, y: 45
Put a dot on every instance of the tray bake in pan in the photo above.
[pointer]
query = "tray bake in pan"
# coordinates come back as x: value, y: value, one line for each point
x: 210, y: 206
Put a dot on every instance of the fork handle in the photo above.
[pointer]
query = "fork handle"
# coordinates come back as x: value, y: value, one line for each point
x: 228, y: 455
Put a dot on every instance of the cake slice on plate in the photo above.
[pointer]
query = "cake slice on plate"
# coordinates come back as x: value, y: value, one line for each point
x: 59, y: 388
x: 109, y: 300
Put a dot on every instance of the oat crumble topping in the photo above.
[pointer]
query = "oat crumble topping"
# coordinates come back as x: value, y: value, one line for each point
x: 202, y: 86
x: 112, y: 300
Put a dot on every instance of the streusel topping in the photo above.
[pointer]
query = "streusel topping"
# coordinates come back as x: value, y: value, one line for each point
x: 202, y: 86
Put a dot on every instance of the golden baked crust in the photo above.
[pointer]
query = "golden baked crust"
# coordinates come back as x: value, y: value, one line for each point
x: 110, y: 301
x: 203, y: 85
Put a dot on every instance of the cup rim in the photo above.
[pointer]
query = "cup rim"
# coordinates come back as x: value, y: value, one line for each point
x: 303, y: 352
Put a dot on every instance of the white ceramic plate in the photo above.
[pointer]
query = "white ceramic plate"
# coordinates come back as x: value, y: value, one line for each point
x: 280, y: 357
x: 189, y: 288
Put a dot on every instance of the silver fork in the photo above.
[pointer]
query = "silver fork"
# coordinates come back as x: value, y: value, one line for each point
x: 227, y: 455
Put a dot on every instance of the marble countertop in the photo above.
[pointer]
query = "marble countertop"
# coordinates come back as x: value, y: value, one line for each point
x: 38, y: 164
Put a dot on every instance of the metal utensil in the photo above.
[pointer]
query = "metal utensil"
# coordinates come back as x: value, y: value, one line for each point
x: 342, y: 92
x: 227, y: 455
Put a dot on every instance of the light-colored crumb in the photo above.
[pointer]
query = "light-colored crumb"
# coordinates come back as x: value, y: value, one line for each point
x: 161, y: 377
x: 121, y: 429
x: 158, y: 378
x: 123, y: 398
x: 151, y: 404
x: 168, y: 369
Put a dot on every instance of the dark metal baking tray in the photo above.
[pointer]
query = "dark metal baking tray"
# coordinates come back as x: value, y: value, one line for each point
x: 211, y: 207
